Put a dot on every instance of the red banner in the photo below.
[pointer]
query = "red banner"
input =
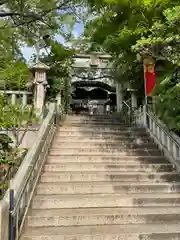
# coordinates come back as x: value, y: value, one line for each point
x: 149, y: 75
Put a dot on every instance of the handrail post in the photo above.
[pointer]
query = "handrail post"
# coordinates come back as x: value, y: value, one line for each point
x: 145, y: 115
x: 56, y: 117
x: 11, y: 217
x: 130, y: 117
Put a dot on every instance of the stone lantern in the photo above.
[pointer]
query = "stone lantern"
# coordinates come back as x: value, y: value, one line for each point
x: 40, y: 85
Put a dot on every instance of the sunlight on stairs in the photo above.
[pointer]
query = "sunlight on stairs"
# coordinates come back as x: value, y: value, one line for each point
x: 103, y: 181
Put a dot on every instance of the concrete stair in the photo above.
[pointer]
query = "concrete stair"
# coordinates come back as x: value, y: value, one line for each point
x: 104, y: 181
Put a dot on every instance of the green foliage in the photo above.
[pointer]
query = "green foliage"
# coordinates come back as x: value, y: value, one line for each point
x: 52, y: 14
x: 9, y: 163
x: 60, y: 61
x: 5, y: 143
x: 14, y: 115
x: 15, y: 75
x: 132, y: 30
x: 27, y: 22
x: 168, y: 108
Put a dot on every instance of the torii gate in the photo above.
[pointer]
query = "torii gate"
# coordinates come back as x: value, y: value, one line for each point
x: 95, y: 68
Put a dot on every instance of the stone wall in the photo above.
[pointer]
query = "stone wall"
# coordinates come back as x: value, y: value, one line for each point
x: 25, y: 137
x: 34, y: 135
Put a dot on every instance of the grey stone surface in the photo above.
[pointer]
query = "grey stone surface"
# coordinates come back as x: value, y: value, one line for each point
x: 100, y: 183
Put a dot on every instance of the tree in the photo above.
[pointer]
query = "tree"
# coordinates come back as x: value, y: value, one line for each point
x: 24, y: 21
x: 60, y: 61
x: 37, y: 18
x: 25, y: 12
x: 86, y: 45
x: 132, y: 30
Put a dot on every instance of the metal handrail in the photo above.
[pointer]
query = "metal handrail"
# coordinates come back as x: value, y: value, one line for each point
x: 130, y: 112
x: 127, y: 105
x: 127, y: 113
x: 31, y: 167
x: 11, y: 168
x: 20, y: 200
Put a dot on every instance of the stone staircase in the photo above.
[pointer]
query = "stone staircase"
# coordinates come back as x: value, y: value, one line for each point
x: 103, y: 181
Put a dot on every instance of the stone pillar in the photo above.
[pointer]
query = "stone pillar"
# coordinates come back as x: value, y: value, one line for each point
x: 13, y: 99
x: 24, y: 99
x: 133, y: 98
x: 40, y: 82
x: 119, y: 97
x: 58, y: 98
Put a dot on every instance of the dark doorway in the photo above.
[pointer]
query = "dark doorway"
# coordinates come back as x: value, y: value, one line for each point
x: 98, y: 93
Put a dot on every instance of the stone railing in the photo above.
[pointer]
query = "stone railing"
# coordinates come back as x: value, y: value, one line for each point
x: 18, y: 97
x: 167, y: 141
x: 22, y: 186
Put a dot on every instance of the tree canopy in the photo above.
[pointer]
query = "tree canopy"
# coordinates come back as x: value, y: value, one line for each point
x: 131, y: 30
x: 28, y: 22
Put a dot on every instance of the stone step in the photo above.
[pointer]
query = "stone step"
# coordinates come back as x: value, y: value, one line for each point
x: 105, y: 152
x: 102, y: 138
x: 103, y: 216
x: 109, y: 176
x: 106, y: 232
x: 99, y: 122
x: 105, y: 200
x: 106, y: 159
x: 56, y: 149
x: 85, y: 116
x: 100, y: 129
x: 88, y: 124
x: 106, y: 187
x: 104, y: 181
x: 101, y: 133
x: 104, y: 145
x: 93, y: 118
x: 84, y: 166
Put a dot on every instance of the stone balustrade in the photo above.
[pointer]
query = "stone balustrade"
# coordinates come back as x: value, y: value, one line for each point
x: 18, y: 97
x: 167, y: 141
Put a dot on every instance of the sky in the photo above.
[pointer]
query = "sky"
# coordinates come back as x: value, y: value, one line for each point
x: 27, y: 52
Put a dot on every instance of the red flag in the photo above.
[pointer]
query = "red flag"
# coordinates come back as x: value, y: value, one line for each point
x: 149, y: 78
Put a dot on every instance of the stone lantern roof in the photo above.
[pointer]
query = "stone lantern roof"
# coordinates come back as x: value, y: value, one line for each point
x: 40, y: 66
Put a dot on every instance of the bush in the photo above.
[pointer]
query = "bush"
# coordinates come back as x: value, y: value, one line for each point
x: 167, y: 107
